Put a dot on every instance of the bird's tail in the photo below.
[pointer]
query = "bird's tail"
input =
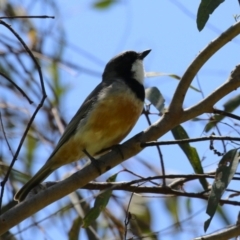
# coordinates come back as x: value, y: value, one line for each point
x: 42, y: 174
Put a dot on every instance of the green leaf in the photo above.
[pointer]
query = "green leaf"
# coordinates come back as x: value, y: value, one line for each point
x: 59, y: 89
x: 229, y: 106
x: 81, y: 207
x: 172, y: 206
x: 157, y: 74
x: 31, y: 144
x: 112, y: 178
x: 73, y: 233
x: 224, y: 174
x: 213, y: 122
x: 99, y: 205
x: 206, y: 8
x: 194, y: 88
x: 188, y: 205
x: 15, y: 174
x: 155, y: 98
x: 102, y: 4
x: 191, y: 153
x: 140, y: 217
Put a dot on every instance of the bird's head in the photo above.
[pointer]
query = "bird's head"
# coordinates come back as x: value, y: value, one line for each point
x: 126, y: 65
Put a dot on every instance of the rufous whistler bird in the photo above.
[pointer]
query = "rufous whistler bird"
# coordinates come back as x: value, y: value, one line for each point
x: 105, y: 118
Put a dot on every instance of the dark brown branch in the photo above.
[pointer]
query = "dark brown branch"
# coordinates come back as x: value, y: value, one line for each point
x: 153, y: 190
x: 146, y: 113
x: 150, y: 144
x: 16, y: 86
x: 181, y: 177
x: 227, y: 114
x: 43, y: 16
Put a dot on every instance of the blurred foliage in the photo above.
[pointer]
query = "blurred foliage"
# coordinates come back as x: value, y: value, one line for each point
x: 119, y: 214
x: 99, y: 205
x: 104, y: 4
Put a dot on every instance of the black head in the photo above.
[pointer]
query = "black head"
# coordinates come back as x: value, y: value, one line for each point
x: 126, y: 65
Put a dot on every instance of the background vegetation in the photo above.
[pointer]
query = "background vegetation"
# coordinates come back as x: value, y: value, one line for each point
x: 152, y: 203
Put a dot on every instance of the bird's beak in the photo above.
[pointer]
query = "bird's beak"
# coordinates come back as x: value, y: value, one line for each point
x: 143, y: 54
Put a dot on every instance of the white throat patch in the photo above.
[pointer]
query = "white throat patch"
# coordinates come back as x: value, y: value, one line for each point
x: 138, y: 71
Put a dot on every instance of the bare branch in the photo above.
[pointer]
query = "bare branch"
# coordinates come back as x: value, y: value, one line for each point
x: 227, y: 114
x: 200, y: 139
x: 43, y: 16
x: 226, y: 233
x: 198, y: 62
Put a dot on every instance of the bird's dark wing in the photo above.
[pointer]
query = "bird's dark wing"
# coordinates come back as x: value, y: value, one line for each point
x: 81, y: 113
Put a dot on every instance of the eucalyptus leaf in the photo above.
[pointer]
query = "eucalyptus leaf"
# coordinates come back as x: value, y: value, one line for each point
x: 191, y: 153
x: 154, y: 96
x: 224, y: 174
x: 206, y: 8
x: 99, y: 205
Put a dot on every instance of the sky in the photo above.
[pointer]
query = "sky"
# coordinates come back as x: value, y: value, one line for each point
x: 169, y: 29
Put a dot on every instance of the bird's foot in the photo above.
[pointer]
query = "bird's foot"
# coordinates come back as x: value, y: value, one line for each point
x: 115, y: 147
x: 118, y: 149
x: 93, y: 161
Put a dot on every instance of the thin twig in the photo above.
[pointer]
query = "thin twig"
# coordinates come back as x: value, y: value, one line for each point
x: 227, y: 114
x: 34, y: 114
x: 16, y: 86
x: 155, y: 143
x: 223, y: 144
x: 137, y: 175
x: 4, y: 134
x: 128, y: 217
x: 158, y: 148
x: 155, y: 190
x: 13, y: 17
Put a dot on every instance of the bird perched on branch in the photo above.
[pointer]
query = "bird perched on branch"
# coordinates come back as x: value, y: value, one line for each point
x: 104, y: 119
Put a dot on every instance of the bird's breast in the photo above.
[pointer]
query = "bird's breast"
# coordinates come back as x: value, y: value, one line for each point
x: 111, y: 118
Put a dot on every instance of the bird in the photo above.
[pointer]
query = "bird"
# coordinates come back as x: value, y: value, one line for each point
x: 103, y: 120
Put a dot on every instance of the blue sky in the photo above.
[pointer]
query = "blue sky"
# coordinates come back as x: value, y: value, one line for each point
x: 169, y: 29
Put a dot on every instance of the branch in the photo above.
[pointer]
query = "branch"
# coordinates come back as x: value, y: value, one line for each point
x: 131, y: 147
x: 40, y: 16
x: 227, y: 233
x: 206, y: 105
x: 156, y: 190
x: 226, y: 114
x: 16, y: 86
x: 200, y: 139
x: 198, y: 62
